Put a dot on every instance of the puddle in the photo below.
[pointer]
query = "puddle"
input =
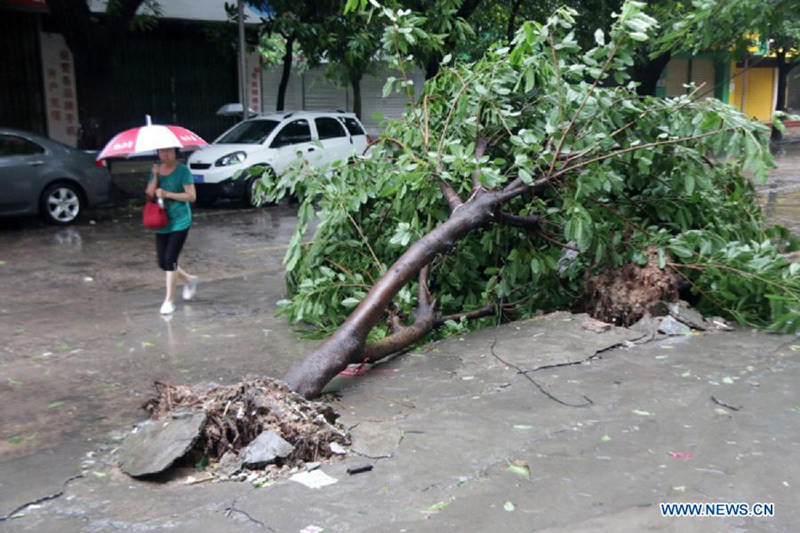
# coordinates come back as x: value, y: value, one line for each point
x: 780, y: 195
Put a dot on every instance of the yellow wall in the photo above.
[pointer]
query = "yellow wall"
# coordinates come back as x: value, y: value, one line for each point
x: 760, y: 83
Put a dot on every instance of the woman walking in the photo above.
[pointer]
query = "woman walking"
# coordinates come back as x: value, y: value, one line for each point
x: 172, y: 182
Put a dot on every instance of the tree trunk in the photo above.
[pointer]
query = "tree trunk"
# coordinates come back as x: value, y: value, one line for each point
x: 355, y: 83
x: 347, y: 345
x: 648, y: 73
x: 784, y: 69
x: 512, y: 20
x: 285, y: 73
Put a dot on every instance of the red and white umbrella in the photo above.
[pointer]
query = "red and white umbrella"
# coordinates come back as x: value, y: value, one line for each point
x: 149, y: 138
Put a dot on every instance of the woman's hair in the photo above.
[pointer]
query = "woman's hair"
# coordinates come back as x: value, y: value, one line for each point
x: 177, y: 150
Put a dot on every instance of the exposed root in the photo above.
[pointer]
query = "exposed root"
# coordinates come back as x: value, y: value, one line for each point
x: 623, y: 296
x: 238, y: 413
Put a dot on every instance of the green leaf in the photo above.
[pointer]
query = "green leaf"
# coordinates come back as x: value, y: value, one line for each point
x: 520, y: 468
x: 688, y: 184
x: 350, y: 303
x: 439, y: 506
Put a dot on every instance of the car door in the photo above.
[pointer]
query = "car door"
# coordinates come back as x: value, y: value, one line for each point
x: 358, y: 136
x: 335, y: 141
x: 293, y: 141
x: 21, y: 164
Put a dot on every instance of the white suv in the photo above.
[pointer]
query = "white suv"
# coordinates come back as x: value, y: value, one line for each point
x: 273, y: 140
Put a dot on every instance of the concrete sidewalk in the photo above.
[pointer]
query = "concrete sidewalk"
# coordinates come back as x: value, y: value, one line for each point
x: 537, y: 425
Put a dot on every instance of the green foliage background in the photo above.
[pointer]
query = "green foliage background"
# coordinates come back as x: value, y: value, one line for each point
x: 610, y: 174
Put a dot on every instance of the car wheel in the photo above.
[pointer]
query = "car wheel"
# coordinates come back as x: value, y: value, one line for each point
x: 254, y: 197
x: 62, y: 203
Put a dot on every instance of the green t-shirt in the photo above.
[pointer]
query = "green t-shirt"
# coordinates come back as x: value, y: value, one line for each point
x: 178, y: 212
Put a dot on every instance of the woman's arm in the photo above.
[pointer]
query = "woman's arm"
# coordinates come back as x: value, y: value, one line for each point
x: 152, y: 184
x: 188, y: 194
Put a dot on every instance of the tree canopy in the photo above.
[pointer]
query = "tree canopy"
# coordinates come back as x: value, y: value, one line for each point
x: 517, y: 177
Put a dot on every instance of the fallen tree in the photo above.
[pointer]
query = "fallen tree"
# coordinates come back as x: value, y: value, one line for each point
x: 512, y: 180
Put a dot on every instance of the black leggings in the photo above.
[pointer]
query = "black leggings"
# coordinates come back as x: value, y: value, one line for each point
x: 169, y: 246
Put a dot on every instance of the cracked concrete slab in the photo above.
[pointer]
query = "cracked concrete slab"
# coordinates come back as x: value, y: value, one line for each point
x: 606, y: 464
x: 36, y: 477
x: 557, y: 339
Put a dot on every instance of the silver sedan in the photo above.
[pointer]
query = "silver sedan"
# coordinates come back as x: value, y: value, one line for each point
x: 42, y: 176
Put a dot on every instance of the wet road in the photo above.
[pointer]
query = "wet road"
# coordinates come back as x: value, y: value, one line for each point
x: 82, y: 337
x: 781, y: 193
x: 82, y: 340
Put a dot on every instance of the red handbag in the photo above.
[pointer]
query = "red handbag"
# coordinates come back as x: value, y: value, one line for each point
x: 154, y: 215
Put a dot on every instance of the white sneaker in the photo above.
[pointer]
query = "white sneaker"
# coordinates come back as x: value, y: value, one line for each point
x: 189, y: 290
x: 167, y: 308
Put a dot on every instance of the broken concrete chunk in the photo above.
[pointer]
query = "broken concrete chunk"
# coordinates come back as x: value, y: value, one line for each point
x: 646, y: 325
x: 156, y: 444
x: 229, y: 464
x: 266, y: 449
x: 670, y: 326
x: 691, y: 317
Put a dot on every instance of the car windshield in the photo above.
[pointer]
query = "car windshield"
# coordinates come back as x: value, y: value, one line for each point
x: 249, y: 132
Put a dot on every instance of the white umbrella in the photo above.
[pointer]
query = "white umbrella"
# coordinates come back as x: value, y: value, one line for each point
x: 150, y: 138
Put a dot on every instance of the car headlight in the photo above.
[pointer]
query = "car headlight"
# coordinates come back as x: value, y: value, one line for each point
x: 231, y: 159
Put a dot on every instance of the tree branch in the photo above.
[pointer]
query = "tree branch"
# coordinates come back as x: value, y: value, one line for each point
x: 346, y: 345
x: 530, y: 223
x: 621, y: 216
x: 402, y: 337
x: 480, y: 148
x: 452, y: 197
x: 423, y: 293
x: 486, y: 310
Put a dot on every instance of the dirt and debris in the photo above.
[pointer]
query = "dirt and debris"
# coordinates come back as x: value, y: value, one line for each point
x: 237, y: 414
x: 623, y: 296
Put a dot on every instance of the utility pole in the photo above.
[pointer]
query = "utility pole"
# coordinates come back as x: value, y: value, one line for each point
x: 242, y: 65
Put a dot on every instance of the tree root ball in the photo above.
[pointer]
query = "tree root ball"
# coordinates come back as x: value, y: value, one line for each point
x: 237, y: 414
x: 622, y: 296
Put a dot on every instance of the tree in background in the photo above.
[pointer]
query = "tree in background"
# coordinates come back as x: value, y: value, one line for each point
x: 515, y: 180
x: 292, y: 36
x: 735, y: 26
x: 784, y: 41
x: 350, y: 43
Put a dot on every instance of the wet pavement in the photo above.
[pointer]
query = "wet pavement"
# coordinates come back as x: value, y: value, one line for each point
x: 83, y: 341
x: 781, y: 194
x: 696, y: 418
